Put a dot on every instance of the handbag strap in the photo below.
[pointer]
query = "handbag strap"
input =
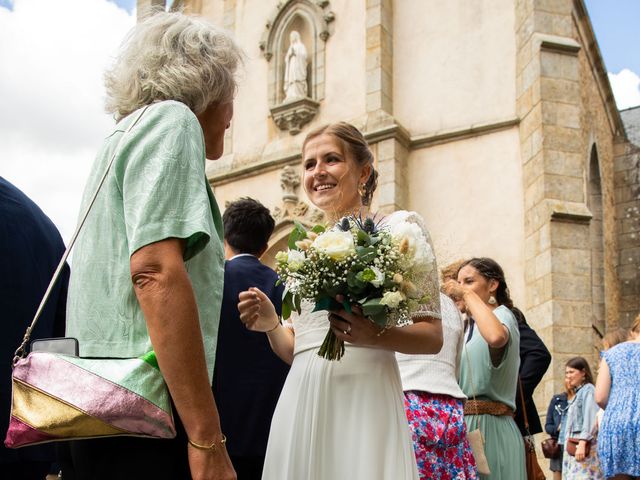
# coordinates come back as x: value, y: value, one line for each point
x: 529, y: 438
x: 473, y: 387
x: 22, y: 349
x: 524, y: 410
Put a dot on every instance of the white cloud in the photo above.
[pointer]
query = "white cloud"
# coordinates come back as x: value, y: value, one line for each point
x: 626, y: 88
x: 52, y: 117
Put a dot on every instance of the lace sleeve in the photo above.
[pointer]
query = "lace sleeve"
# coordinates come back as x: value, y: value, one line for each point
x: 429, y: 281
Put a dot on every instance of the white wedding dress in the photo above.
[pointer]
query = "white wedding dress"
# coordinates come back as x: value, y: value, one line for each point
x: 339, y: 420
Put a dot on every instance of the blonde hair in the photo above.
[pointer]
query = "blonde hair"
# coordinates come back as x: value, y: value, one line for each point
x: 450, y: 272
x: 635, y: 327
x: 614, y: 337
x: 172, y: 56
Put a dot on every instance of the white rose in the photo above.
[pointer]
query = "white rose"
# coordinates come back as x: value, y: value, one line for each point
x: 418, y: 252
x: 295, y: 260
x: 337, y: 245
x: 392, y: 299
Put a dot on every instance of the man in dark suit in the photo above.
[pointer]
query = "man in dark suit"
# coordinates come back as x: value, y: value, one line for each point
x: 248, y: 376
x: 534, y: 361
x: 30, y: 250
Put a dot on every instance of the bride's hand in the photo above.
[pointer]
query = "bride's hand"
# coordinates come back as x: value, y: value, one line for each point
x: 354, y: 327
x: 256, y: 310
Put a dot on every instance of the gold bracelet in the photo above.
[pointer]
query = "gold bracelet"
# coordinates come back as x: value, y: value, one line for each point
x: 211, y: 447
x: 277, y: 325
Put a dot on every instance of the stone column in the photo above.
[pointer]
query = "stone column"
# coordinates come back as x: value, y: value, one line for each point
x: 557, y: 244
x: 391, y: 155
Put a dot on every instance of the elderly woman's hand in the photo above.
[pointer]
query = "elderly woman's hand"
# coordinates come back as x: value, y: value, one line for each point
x: 256, y: 311
x: 210, y: 465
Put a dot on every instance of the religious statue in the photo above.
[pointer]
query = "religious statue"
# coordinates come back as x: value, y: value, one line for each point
x: 295, y: 69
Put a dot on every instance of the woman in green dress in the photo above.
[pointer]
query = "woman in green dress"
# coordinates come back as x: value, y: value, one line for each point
x: 489, y: 365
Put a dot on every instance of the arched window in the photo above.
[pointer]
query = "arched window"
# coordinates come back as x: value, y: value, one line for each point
x: 596, y: 235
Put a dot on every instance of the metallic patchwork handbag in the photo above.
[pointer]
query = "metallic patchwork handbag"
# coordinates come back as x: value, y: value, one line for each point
x: 57, y: 396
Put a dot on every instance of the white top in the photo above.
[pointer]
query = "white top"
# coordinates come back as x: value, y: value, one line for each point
x: 437, y: 373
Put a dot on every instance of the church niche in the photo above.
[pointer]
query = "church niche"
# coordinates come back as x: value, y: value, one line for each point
x: 294, y: 46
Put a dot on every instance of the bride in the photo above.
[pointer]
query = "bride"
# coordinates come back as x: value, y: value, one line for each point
x: 342, y: 419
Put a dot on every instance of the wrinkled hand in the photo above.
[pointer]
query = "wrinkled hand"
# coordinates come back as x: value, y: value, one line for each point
x: 580, y: 451
x: 256, y: 310
x: 209, y: 465
x: 353, y: 327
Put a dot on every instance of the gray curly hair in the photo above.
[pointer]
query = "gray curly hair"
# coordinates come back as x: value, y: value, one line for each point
x: 172, y: 56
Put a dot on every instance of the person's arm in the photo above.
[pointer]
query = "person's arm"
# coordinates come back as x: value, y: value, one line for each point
x: 495, y: 333
x: 259, y: 315
x: 534, y: 359
x: 603, y: 385
x: 550, y: 425
x: 424, y: 336
x: 164, y: 291
x: 589, y: 412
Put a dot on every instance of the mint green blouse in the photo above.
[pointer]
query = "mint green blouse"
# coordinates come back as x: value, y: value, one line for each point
x: 156, y: 189
x: 489, y: 382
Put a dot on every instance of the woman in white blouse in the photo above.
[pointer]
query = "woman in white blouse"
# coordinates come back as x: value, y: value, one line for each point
x: 434, y: 404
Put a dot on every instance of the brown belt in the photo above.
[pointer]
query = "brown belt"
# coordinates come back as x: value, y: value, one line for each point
x: 487, y: 407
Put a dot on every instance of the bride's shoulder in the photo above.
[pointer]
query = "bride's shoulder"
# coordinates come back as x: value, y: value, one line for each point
x: 404, y: 216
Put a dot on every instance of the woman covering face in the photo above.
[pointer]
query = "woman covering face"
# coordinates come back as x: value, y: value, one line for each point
x: 148, y: 263
x: 332, y: 414
x: 490, y: 363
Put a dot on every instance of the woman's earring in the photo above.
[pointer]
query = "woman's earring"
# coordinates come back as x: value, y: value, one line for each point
x: 361, y: 190
x: 492, y: 300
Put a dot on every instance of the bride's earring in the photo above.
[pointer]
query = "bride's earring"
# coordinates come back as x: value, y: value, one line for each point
x: 361, y: 190
x: 492, y: 300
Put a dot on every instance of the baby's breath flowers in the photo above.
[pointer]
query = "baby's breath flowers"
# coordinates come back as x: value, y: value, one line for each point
x: 369, y: 264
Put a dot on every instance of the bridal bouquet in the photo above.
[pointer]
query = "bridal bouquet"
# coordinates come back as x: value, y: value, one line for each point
x: 380, y: 267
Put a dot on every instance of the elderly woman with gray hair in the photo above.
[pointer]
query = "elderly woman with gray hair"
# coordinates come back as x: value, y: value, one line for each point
x: 148, y: 265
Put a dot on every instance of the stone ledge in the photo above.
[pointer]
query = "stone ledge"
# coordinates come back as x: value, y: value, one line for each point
x: 293, y: 115
x: 569, y: 212
x: 557, y: 44
x: 437, y: 138
x: 394, y: 130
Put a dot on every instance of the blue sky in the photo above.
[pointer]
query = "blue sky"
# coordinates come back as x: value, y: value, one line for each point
x: 617, y: 27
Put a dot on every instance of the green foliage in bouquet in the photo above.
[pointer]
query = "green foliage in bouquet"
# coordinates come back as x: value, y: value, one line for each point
x: 356, y: 259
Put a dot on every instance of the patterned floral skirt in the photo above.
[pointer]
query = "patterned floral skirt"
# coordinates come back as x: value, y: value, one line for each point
x: 439, y: 436
x: 588, y: 469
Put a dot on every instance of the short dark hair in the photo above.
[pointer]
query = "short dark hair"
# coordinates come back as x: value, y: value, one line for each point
x: 247, y: 225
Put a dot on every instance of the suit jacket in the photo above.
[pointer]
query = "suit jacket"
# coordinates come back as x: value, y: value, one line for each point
x: 30, y: 249
x: 534, y: 361
x: 248, y: 376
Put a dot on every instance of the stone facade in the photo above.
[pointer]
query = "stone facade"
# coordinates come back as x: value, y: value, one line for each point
x: 494, y: 120
x: 627, y: 205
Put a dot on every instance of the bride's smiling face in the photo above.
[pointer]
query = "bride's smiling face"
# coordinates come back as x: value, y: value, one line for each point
x: 331, y: 175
